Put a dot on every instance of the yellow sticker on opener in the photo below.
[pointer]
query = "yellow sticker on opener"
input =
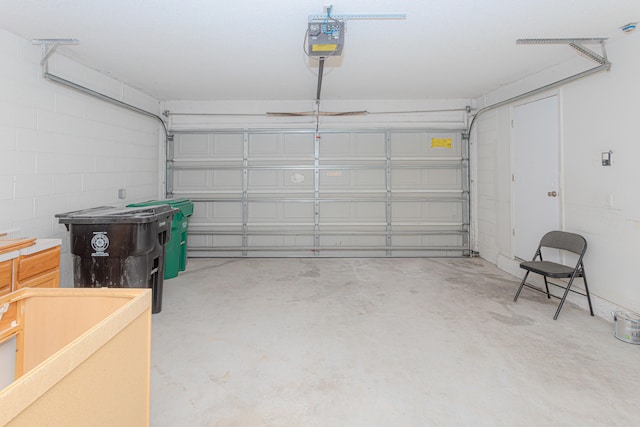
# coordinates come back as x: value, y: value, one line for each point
x: 323, y: 47
x: 440, y: 142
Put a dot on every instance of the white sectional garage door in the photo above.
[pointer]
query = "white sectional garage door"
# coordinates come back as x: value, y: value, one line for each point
x: 345, y: 193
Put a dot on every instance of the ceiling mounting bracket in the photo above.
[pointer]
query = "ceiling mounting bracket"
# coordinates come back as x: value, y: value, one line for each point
x: 49, y: 46
x: 578, y: 45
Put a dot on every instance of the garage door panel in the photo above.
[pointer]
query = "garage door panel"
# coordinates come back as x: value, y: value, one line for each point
x: 279, y: 212
x: 352, y: 145
x: 214, y: 181
x: 354, y: 180
x: 335, y: 212
x: 226, y: 241
x: 368, y: 145
x: 298, y: 179
x: 265, y: 212
x: 198, y: 146
x: 227, y: 180
x: 353, y: 241
x: 443, y: 144
x: 426, y: 144
x: 334, y: 144
x: 266, y: 145
x: 280, y: 146
x: 369, y: 211
x: 448, y: 179
x: 300, y: 145
x: 225, y: 212
x: 226, y: 146
x: 280, y: 241
x: 190, y: 180
x: 265, y: 179
x: 215, y: 241
x: 199, y: 240
x: 371, y: 179
x: 352, y: 212
x: 280, y: 180
x: 347, y: 193
x: 218, y: 212
x: 408, y: 144
x: 300, y: 210
x: 428, y: 240
x: 336, y: 179
x: 427, y: 212
x: 192, y: 146
x: 430, y: 179
x: 201, y: 213
x: 444, y: 211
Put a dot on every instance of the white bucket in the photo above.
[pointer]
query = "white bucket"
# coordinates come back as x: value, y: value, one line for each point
x: 627, y: 326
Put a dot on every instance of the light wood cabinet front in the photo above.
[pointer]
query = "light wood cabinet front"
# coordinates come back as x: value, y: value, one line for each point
x: 5, y: 276
x: 46, y: 280
x: 40, y: 270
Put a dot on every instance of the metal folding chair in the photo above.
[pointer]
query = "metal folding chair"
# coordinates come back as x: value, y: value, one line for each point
x: 563, y: 241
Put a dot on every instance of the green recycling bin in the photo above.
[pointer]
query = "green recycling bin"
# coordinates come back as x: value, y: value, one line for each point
x: 175, y: 259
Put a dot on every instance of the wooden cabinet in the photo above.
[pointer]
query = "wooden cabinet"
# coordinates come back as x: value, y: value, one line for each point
x: 38, y: 270
x: 6, y: 276
x: 82, y: 356
x: 29, y: 263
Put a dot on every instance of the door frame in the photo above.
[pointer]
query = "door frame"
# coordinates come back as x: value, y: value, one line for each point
x: 561, y: 184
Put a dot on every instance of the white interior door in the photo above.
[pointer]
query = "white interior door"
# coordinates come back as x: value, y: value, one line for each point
x: 536, y: 177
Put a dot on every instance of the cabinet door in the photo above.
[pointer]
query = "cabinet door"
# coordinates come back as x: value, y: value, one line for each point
x: 34, y: 265
x: 5, y: 277
x: 47, y: 280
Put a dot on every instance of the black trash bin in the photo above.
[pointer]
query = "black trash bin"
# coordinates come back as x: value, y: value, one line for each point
x: 120, y: 247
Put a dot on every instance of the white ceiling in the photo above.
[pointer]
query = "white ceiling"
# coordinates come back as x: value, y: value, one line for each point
x: 252, y: 50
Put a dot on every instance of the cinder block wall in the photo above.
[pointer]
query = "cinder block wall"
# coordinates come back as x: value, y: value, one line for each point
x: 61, y: 150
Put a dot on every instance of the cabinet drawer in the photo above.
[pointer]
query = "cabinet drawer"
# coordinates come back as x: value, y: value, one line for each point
x: 47, y: 280
x: 41, y: 262
x: 5, y: 274
x: 5, y: 290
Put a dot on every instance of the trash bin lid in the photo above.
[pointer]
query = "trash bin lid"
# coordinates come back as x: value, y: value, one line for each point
x: 185, y: 205
x: 113, y: 215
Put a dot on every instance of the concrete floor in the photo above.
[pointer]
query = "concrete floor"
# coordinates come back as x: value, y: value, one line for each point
x: 380, y: 342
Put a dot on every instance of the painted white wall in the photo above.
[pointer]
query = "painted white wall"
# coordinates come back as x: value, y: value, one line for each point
x: 61, y: 150
x: 598, y: 114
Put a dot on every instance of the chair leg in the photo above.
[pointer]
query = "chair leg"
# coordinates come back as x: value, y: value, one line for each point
x: 546, y: 285
x: 586, y: 288
x: 521, y: 286
x: 564, y: 297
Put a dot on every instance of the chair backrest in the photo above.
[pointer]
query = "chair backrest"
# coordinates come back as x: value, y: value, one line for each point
x: 566, y: 241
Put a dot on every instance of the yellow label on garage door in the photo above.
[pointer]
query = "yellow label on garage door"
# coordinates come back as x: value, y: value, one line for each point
x: 440, y: 142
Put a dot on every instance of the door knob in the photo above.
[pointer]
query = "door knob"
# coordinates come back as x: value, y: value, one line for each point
x: 552, y: 193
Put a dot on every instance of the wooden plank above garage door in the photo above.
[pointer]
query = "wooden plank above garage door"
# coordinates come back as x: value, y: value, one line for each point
x: 391, y: 192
